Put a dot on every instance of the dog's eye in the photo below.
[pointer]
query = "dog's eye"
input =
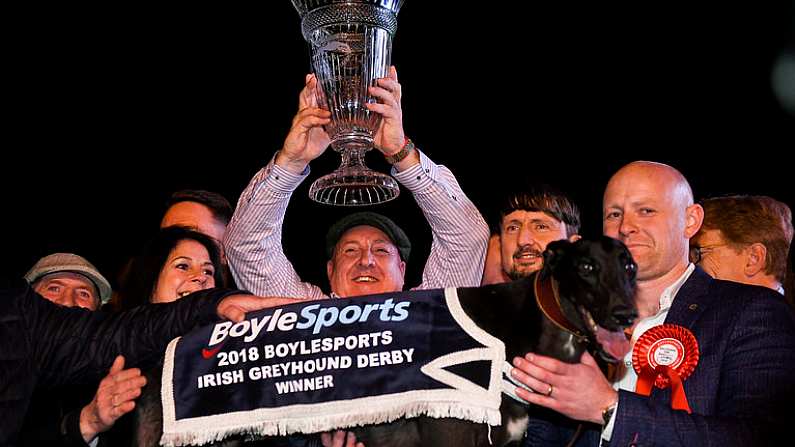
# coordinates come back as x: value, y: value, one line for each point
x: 586, y: 268
x: 631, y: 268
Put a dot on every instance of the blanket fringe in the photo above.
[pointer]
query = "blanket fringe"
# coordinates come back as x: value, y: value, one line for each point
x: 198, y: 435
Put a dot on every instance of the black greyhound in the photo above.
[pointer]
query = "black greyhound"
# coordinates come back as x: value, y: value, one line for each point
x: 581, y: 300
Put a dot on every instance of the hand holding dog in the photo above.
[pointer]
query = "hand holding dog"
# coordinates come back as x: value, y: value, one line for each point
x: 579, y: 390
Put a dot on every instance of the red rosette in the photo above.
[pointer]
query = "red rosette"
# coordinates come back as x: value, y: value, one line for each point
x: 665, y: 347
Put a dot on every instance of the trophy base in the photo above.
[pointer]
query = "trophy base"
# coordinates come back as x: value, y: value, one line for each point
x: 354, y: 187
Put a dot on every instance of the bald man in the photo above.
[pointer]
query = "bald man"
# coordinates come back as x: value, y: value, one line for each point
x: 742, y: 385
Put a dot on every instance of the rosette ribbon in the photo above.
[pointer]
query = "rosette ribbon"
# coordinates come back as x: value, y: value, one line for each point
x: 665, y: 356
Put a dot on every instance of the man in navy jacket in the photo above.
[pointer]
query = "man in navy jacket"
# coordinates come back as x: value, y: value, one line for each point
x: 742, y: 388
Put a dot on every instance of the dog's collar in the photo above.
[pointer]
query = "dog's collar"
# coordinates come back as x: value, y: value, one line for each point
x: 548, y: 300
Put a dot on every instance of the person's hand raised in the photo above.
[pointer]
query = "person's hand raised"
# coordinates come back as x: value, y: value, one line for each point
x: 307, y: 139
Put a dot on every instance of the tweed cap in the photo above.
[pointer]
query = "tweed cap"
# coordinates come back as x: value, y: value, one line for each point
x: 71, y: 263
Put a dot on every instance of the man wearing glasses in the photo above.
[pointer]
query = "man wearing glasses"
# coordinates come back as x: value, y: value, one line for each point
x: 744, y: 239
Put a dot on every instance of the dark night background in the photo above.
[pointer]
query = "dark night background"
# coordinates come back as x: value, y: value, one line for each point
x: 110, y: 109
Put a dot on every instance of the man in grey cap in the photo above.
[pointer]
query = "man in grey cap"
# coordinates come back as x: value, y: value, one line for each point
x: 71, y: 416
x: 69, y: 280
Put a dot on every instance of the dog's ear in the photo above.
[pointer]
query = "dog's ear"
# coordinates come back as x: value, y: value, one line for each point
x: 555, y: 253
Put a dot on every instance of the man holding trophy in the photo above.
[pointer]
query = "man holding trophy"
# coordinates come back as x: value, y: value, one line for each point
x: 253, y: 240
x: 353, y: 103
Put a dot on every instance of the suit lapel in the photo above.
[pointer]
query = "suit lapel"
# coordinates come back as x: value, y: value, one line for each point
x: 691, y: 300
x: 688, y: 305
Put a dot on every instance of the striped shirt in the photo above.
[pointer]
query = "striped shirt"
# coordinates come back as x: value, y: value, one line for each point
x: 253, y: 241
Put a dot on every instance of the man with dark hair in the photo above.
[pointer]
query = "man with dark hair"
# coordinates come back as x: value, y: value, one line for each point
x: 204, y: 211
x: 744, y: 239
x: 528, y: 221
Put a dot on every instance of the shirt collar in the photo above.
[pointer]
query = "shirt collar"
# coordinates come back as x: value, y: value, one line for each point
x: 668, y: 295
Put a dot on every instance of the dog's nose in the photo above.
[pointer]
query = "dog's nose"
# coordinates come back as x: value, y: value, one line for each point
x: 624, y: 315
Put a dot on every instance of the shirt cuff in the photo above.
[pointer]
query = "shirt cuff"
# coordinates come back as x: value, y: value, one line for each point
x: 419, y: 176
x: 607, y: 431
x: 278, y: 179
x: 70, y: 430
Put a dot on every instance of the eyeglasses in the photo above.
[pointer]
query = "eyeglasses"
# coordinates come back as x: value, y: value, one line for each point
x: 697, y: 252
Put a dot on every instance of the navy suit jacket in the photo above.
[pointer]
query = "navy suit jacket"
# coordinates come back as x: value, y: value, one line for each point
x: 743, y: 387
x: 741, y: 391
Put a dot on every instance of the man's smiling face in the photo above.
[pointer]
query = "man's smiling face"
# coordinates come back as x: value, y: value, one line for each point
x: 524, y: 236
x: 365, y: 262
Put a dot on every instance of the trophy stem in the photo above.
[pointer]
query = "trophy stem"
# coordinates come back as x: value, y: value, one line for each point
x: 352, y: 159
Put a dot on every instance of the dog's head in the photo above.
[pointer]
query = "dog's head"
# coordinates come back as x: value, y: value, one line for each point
x: 596, y: 283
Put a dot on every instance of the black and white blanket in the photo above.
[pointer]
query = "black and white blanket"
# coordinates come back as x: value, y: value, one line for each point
x: 322, y: 365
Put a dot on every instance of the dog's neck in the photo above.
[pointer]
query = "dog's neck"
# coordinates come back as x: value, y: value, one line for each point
x: 567, y: 340
x: 561, y: 312
x: 510, y: 312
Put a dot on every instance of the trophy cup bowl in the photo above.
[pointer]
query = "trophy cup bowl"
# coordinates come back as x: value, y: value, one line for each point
x: 350, y: 45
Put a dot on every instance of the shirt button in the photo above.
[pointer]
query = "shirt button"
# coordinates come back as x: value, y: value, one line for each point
x: 419, y: 178
x: 427, y: 170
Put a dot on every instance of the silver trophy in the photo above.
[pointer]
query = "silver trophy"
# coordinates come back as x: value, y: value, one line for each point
x: 350, y: 45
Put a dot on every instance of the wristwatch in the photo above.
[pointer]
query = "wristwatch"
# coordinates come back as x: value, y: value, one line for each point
x: 404, y: 152
x: 607, y: 413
